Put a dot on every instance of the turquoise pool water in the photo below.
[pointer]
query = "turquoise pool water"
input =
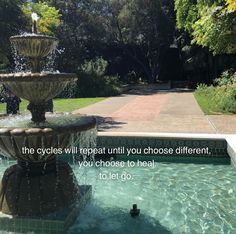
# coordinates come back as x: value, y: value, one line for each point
x: 173, y: 198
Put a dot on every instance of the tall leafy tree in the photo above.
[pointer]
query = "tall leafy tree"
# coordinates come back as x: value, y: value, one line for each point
x: 210, y: 23
x: 49, y: 17
x: 144, y: 28
x: 11, y: 22
x: 82, y: 32
x: 231, y: 5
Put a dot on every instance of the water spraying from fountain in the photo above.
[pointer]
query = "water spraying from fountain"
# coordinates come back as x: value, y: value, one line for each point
x: 40, y: 184
x: 34, y: 25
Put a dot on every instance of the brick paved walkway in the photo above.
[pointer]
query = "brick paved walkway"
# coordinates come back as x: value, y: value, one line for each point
x: 174, y: 112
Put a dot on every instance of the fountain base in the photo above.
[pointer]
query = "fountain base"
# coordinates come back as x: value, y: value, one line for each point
x: 37, y: 189
x: 55, y: 223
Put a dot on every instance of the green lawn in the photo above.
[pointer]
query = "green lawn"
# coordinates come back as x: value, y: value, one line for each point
x: 204, y: 103
x: 61, y: 105
x: 209, y: 104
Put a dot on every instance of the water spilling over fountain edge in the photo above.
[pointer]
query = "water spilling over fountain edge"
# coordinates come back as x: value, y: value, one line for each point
x: 38, y: 185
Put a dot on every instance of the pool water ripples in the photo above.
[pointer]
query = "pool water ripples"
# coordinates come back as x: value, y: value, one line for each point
x: 173, y: 198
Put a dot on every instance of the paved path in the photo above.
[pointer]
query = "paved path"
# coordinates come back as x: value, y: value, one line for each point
x: 141, y: 108
x: 173, y: 112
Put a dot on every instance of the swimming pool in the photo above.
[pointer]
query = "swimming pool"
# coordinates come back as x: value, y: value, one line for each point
x: 173, y: 198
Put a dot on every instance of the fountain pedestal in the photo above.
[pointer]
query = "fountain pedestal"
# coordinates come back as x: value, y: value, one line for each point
x: 37, y: 111
x: 37, y: 189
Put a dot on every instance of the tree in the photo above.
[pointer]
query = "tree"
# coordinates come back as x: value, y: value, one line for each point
x: 210, y: 24
x: 49, y: 17
x: 231, y: 5
x: 145, y: 29
x: 83, y: 32
x: 141, y: 29
x: 11, y: 22
x: 215, y: 29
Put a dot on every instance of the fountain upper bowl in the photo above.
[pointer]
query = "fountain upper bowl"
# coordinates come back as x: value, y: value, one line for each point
x: 37, y: 87
x: 34, y: 45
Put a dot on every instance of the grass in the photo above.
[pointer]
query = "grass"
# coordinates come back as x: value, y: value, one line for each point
x: 216, y: 100
x: 60, y: 105
x: 204, y: 103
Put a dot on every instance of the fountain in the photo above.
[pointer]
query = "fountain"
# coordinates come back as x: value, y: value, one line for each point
x: 39, y: 184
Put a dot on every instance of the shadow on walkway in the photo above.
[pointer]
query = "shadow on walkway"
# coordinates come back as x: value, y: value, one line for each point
x: 152, y: 89
x: 145, y: 89
x: 105, y: 123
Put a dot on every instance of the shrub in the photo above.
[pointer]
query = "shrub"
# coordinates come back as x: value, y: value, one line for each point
x: 201, y: 88
x: 227, y: 98
x: 221, y: 98
x: 227, y: 78
x: 93, y: 81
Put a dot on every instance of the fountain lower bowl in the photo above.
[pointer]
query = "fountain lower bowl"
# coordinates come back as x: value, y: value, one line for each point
x: 37, y: 87
x: 56, y: 134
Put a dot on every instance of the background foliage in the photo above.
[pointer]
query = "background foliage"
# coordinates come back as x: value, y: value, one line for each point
x: 140, y: 40
x: 231, y: 5
x: 12, y: 21
x: 211, y: 23
x: 49, y: 17
x: 220, y: 98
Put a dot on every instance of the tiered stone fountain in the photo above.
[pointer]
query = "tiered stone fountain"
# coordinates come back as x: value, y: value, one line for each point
x: 38, y: 184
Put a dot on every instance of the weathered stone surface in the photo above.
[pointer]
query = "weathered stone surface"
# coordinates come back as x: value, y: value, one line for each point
x: 37, y: 87
x: 12, y: 140
x: 37, y: 190
x: 34, y: 45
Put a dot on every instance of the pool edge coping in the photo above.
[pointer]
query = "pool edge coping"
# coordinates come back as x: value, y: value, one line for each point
x: 229, y: 138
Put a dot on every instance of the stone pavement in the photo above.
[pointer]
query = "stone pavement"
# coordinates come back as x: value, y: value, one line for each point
x: 160, y: 112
